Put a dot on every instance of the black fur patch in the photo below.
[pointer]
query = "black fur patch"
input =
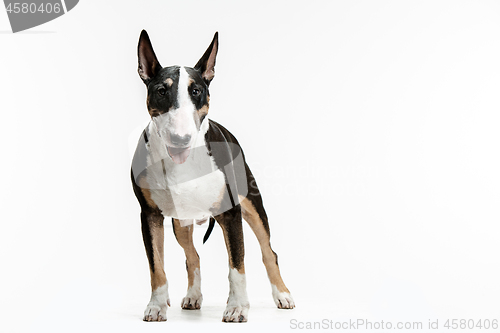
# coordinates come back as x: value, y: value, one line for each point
x: 198, y: 84
x: 159, y: 102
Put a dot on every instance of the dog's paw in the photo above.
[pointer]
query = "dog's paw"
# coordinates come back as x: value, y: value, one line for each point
x: 283, y: 300
x: 155, y: 312
x: 236, y: 314
x: 192, y: 302
x: 193, y: 298
x: 157, y: 307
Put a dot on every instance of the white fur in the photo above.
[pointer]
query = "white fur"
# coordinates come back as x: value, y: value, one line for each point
x: 193, y: 297
x: 283, y: 300
x: 178, y: 189
x: 192, y: 196
x: 157, y: 307
x: 186, y: 111
x: 182, y: 120
x: 237, y: 303
x: 185, y: 223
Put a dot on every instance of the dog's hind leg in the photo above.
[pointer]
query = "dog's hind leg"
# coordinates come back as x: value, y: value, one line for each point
x: 152, y: 233
x: 254, y: 213
x: 184, y: 236
x: 237, y: 302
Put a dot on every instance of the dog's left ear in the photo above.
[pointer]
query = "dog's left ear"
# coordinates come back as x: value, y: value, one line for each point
x: 206, y: 65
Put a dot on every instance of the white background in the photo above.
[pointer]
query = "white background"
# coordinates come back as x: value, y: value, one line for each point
x: 372, y: 128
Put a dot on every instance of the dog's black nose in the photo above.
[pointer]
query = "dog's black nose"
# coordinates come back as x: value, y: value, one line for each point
x: 180, y: 141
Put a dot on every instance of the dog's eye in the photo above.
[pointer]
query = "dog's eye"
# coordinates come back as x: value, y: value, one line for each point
x: 162, y: 91
x: 196, y: 92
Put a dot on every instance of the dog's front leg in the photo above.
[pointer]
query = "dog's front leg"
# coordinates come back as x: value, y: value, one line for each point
x: 184, y: 236
x: 152, y: 234
x: 237, y: 303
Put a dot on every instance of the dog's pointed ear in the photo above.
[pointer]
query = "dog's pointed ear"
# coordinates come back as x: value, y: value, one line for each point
x: 148, y: 63
x: 206, y: 65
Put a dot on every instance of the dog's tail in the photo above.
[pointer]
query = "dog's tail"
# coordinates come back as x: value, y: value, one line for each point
x: 211, y: 225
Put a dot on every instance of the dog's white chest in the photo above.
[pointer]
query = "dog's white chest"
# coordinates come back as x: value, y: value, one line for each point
x: 191, y: 190
x: 192, y: 199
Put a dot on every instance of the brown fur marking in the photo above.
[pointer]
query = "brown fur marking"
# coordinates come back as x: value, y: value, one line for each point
x: 145, y: 191
x: 269, y: 258
x: 184, y: 236
x: 158, y: 277
x: 154, y: 112
x: 203, y: 111
x: 169, y: 82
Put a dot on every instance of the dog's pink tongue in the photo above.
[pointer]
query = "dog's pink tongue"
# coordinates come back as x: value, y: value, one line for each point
x: 179, y: 155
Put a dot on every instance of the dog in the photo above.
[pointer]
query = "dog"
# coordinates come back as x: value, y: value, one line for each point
x: 192, y: 169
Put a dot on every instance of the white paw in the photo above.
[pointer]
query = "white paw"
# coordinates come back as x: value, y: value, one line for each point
x: 192, y: 301
x: 155, y: 312
x: 193, y: 298
x: 236, y: 313
x: 283, y: 300
x: 157, y: 307
x: 237, y: 302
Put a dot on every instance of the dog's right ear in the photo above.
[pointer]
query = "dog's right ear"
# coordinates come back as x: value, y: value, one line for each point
x: 148, y: 63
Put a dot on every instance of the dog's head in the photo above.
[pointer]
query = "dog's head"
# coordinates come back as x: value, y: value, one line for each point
x: 177, y: 97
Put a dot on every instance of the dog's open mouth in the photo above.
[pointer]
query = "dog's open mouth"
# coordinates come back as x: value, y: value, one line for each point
x: 179, y: 155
